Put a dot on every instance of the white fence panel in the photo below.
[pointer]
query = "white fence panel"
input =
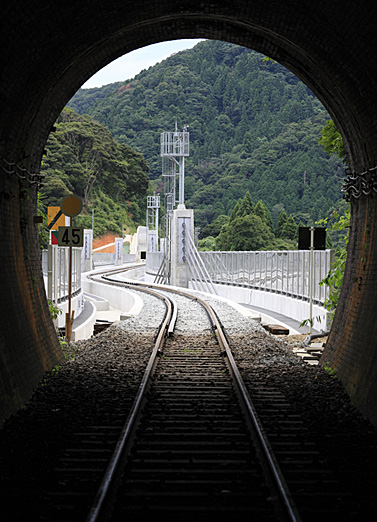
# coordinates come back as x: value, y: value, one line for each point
x: 284, y: 272
x: 55, y: 266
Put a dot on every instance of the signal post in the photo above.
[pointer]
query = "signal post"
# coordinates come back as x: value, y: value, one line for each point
x: 70, y: 237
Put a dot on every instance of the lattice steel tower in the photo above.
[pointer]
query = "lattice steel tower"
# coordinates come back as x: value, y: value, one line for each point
x: 174, y: 150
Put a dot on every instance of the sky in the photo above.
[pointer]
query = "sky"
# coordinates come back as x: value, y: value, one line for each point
x: 128, y: 65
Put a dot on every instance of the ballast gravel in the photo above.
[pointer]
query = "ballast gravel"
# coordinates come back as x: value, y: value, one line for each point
x: 149, y: 318
x: 192, y: 316
x: 103, y: 374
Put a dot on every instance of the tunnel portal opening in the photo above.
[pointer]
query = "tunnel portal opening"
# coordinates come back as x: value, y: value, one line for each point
x: 49, y: 51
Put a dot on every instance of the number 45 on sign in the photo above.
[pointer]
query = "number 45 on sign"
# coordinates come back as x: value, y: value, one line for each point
x: 71, y: 236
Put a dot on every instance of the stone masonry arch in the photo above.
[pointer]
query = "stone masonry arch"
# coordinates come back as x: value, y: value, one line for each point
x: 49, y: 49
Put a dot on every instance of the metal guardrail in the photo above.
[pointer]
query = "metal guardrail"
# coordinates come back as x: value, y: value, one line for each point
x: 55, y: 266
x: 285, y: 272
x: 104, y: 259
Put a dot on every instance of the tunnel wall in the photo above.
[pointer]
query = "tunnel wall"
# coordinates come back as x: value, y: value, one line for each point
x: 352, y: 346
x: 28, y: 342
x: 49, y: 49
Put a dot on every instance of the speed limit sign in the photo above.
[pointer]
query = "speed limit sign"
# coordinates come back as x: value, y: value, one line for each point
x: 71, y: 236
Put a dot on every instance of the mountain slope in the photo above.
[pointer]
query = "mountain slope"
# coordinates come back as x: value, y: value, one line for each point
x: 253, y: 127
x: 111, y: 178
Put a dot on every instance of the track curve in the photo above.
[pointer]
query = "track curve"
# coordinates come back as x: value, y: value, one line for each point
x: 283, y: 507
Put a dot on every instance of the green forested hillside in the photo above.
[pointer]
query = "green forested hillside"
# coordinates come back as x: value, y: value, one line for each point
x: 253, y: 127
x: 111, y: 178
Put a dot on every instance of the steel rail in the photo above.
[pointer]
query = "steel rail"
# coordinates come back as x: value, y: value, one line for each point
x: 99, y: 504
x: 280, y: 485
x: 263, y: 442
x: 134, y: 285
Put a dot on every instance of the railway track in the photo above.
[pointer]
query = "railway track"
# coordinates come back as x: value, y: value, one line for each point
x: 189, y: 445
x: 192, y: 447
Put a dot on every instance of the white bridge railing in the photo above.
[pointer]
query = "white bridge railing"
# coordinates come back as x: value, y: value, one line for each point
x: 283, y: 272
x: 55, y: 266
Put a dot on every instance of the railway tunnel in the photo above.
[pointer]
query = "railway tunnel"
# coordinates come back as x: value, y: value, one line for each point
x: 49, y: 49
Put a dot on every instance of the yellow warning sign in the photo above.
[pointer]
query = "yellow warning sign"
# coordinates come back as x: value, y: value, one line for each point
x: 51, y: 214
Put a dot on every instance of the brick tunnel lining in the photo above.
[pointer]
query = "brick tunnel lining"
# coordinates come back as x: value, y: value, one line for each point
x: 49, y: 51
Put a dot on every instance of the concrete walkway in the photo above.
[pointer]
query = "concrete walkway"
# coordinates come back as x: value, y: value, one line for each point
x: 274, y: 318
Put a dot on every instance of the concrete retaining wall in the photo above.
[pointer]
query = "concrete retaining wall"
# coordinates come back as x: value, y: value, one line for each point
x: 119, y: 298
x: 85, y: 329
x: 294, y: 308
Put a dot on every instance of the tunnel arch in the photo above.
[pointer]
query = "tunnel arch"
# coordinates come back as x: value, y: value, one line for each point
x: 49, y: 50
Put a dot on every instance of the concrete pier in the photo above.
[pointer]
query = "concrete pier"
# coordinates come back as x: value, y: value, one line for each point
x: 182, y: 225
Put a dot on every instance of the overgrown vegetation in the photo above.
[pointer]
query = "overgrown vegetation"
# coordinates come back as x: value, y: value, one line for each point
x: 330, y: 371
x: 338, y: 222
x: 337, y: 226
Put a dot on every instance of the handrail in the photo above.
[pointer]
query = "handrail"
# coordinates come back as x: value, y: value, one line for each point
x: 58, y: 274
x: 284, y: 272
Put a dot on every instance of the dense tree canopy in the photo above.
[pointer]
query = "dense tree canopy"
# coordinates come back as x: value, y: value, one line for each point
x: 83, y: 159
x: 249, y: 227
x: 253, y: 127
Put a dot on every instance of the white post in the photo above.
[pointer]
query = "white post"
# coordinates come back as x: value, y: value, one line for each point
x: 311, y: 278
x: 182, y: 182
x: 56, y: 293
x: 88, y: 250
x: 118, y: 251
x: 50, y: 273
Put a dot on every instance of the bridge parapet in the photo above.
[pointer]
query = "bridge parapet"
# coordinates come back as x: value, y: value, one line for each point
x: 284, y: 272
x: 275, y: 280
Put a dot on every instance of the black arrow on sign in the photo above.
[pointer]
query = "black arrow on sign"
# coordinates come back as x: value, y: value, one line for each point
x: 55, y: 219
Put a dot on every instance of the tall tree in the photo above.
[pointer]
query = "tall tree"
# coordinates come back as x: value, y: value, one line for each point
x: 246, y: 206
x: 289, y: 229
x: 282, y: 219
x: 262, y: 211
